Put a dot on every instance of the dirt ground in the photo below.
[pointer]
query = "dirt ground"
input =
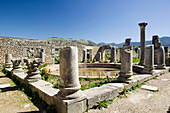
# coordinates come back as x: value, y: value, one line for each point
x: 12, y: 100
x: 143, y: 101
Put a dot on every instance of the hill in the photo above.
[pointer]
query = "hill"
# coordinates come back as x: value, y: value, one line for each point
x: 164, y: 40
x: 78, y: 41
x: 59, y: 40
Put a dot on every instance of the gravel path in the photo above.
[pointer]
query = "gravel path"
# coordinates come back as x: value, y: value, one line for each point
x: 143, y: 101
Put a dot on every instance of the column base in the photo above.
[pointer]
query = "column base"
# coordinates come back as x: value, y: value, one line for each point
x: 147, y: 70
x: 141, y: 63
x: 161, y: 67
x: 33, y: 78
x: 78, y: 105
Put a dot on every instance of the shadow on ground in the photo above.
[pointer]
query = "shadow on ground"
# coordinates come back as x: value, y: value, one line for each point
x: 9, y: 89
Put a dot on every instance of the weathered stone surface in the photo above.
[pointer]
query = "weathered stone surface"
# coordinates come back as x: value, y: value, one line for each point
x: 161, y: 58
x: 97, y: 94
x: 126, y: 63
x: 17, y: 68
x: 8, y: 58
x: 33, y: 73
x: 142, y: 42
x: 70, y: 94
x: 151, y: 88
x: 149, y: 59
x: 84, y: 55
x: 113, y: 54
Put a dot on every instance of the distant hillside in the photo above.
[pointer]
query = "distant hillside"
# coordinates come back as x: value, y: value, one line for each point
x: 164, y: 40
x: 78, y: 41
x: 60, y: 40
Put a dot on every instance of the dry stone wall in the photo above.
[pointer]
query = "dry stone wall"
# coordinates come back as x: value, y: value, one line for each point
x: 15, y: 47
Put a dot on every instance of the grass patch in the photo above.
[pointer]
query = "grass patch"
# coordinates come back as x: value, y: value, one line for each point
x: 155, y: 78
x: 33, y: 96
x: 103, y: 104
x: 135, y: 60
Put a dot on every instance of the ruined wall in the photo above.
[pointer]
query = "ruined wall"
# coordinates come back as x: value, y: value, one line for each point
x: 15, y: 47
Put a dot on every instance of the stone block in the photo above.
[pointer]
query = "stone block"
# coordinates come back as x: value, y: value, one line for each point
x: 97, y: 94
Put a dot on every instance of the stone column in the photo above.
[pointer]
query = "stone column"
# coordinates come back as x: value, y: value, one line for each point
x: 8, y: 58
x: 33, y: 73
x: 139, y: 53
x: 166, y: 54
x: 24, y: 52
x: 99, y: 56
x: 142, y: 42
x: 42, y: 56
x: 126, y: 64
x: 70, y: 94
x: 120, y: 52
x: 149, y: 59
x: 91, y: 54
x: 17, y: 68
x: 84, y: 55
x: 161, y: 58
x: 113, y: 54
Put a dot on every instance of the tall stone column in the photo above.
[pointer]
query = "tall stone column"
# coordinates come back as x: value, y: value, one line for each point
x: 99, y: 56
x: 8, y: 58
x: 113, y: 54
x: 142, y: 42
x: 149, y: 59
x: 166, y: 54
x: 84, y: 55
x: 126, y: 64
x: 161, y: 58
x: 70, y: 94
x: 42, y: 56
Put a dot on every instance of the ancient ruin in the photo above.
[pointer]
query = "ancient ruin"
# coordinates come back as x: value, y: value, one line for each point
x: 142, y: 42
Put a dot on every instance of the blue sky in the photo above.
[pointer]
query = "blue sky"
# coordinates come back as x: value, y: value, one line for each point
x: 95, y: 20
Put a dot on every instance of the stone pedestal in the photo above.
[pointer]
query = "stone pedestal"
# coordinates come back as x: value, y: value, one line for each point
x: 126, y: 64
x: 161, y: 58
x: 113, y: 54
x: 33, y: 73
x: 142, y: 42
x: 17, y: 68
x: 149, y: 59
x: 70, y: 98
x: 8, y: 58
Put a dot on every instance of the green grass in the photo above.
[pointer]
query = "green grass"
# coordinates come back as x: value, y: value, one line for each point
x: 135, y: 60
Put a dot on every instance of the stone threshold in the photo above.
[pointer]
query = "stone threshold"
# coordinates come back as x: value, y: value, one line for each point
x: 96, y: 94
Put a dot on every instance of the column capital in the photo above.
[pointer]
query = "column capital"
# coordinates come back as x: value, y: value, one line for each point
x: 143, y: 24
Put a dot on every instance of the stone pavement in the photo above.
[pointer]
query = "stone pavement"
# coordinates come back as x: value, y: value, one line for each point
x: 143, y: 101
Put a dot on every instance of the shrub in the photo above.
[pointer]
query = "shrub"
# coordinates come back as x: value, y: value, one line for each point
x: 94, y: 60
x: 88, y: 61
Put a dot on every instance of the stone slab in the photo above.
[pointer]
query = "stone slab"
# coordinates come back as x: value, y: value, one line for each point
x: 150, y: 88
x: 4, y: 85
x: 45, y: 90
x: 119, y: 86
x: 97, y: 94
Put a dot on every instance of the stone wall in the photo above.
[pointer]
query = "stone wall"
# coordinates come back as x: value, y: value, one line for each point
x: 15, y: 47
